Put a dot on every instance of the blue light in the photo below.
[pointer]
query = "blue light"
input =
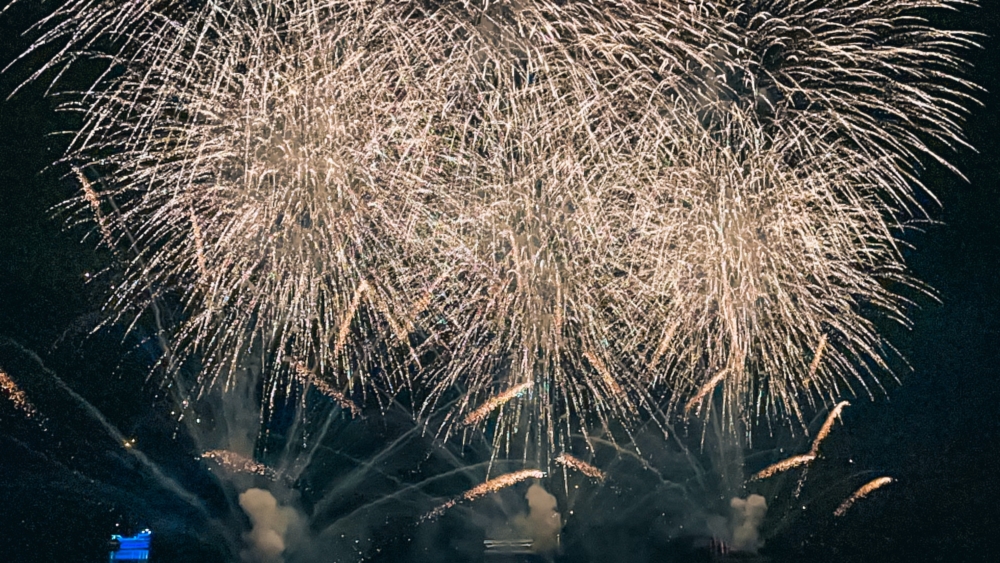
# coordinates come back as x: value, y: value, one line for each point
x: 134, y: 548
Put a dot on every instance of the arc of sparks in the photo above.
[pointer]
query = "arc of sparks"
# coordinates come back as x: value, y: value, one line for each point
x: 239, y: 463
x: 824, y: 431
x: 814, y: 365
x: 421, y: 304
x: 325, y: 388
x: 90, y: 195
x: 402, y: 333
x: 16, y: 396
x: 571, y: 462
x: 664, y: 344
x: 484, y: 410
x: 782, y: 466
x: 705, y: 390
x: 483, y: 489
x: 861, y: 493
x: 602, y: 370
x: 345, y: 322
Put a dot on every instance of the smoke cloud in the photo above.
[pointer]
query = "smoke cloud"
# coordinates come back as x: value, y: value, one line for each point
x: 272, y: 524
x: 543, y: 522
x: 745, y: 520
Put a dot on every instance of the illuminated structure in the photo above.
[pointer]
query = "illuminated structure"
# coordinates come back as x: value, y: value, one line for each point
x: 510, y: 551
x: 134, y: 548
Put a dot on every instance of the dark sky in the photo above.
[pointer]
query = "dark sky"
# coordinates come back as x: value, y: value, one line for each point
x: 938, y: 433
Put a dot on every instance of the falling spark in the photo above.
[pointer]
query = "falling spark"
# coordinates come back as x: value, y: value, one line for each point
x: 480, y: 414
x: 491, y: 486
x: 325, y: 388
x: 567, y: 460
x: 861, y: 493
x: 402, y: 334
x: 664, y: 344
x: 199, y: 243
x: 801, y: 482
x: 819, y: 356
x: 16, y: 396
x: 602, y: 370
x: 783, y: 465
x: 421, y: 304
x: 95, y: 206
x: 345, y: 322
x: 238, y: 463
x: 824, y: 431
x: 705, y: 390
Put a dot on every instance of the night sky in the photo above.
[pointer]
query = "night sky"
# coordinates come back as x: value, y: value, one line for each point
x: 937, y: 433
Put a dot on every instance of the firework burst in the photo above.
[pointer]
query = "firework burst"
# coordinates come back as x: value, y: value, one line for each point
x: 268, y: 166
x: 607, y: 206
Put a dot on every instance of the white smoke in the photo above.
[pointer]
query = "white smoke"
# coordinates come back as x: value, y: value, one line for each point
x: 543, y: 522
x: 272, y: 525
x: 745, y: 520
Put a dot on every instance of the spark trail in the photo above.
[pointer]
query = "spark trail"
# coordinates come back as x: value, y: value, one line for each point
x: 16, y: 396
x: 491, y: 486
x: 238, y: 463
x: 824, y: 431
x: 861, y: 493
x: 571, y: 462
x: 309, y: 377
x: 782, y: 466
x: 484, y: 410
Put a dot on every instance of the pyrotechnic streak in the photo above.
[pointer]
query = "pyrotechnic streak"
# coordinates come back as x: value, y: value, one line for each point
x: 567, y: 460
x: 402, y: 334
x: 664, y: 344
x: 824, y: 431
x: 238, y: 463
x: 817, y: 357
x: 308, y: 376
x: 491, y: 486
x: 345, y: 321
x: 801, y: 482
x: 782, y: 466
x: 484, y: 410
x: 602, y: 370
x: 437, y: 512
x: 16, y: 396
x: 502, y: 482
x: 421, y: 305
x: 90, y: 196
x: 861, y: 493
x: 199, y: 243
x: 705, y: 389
